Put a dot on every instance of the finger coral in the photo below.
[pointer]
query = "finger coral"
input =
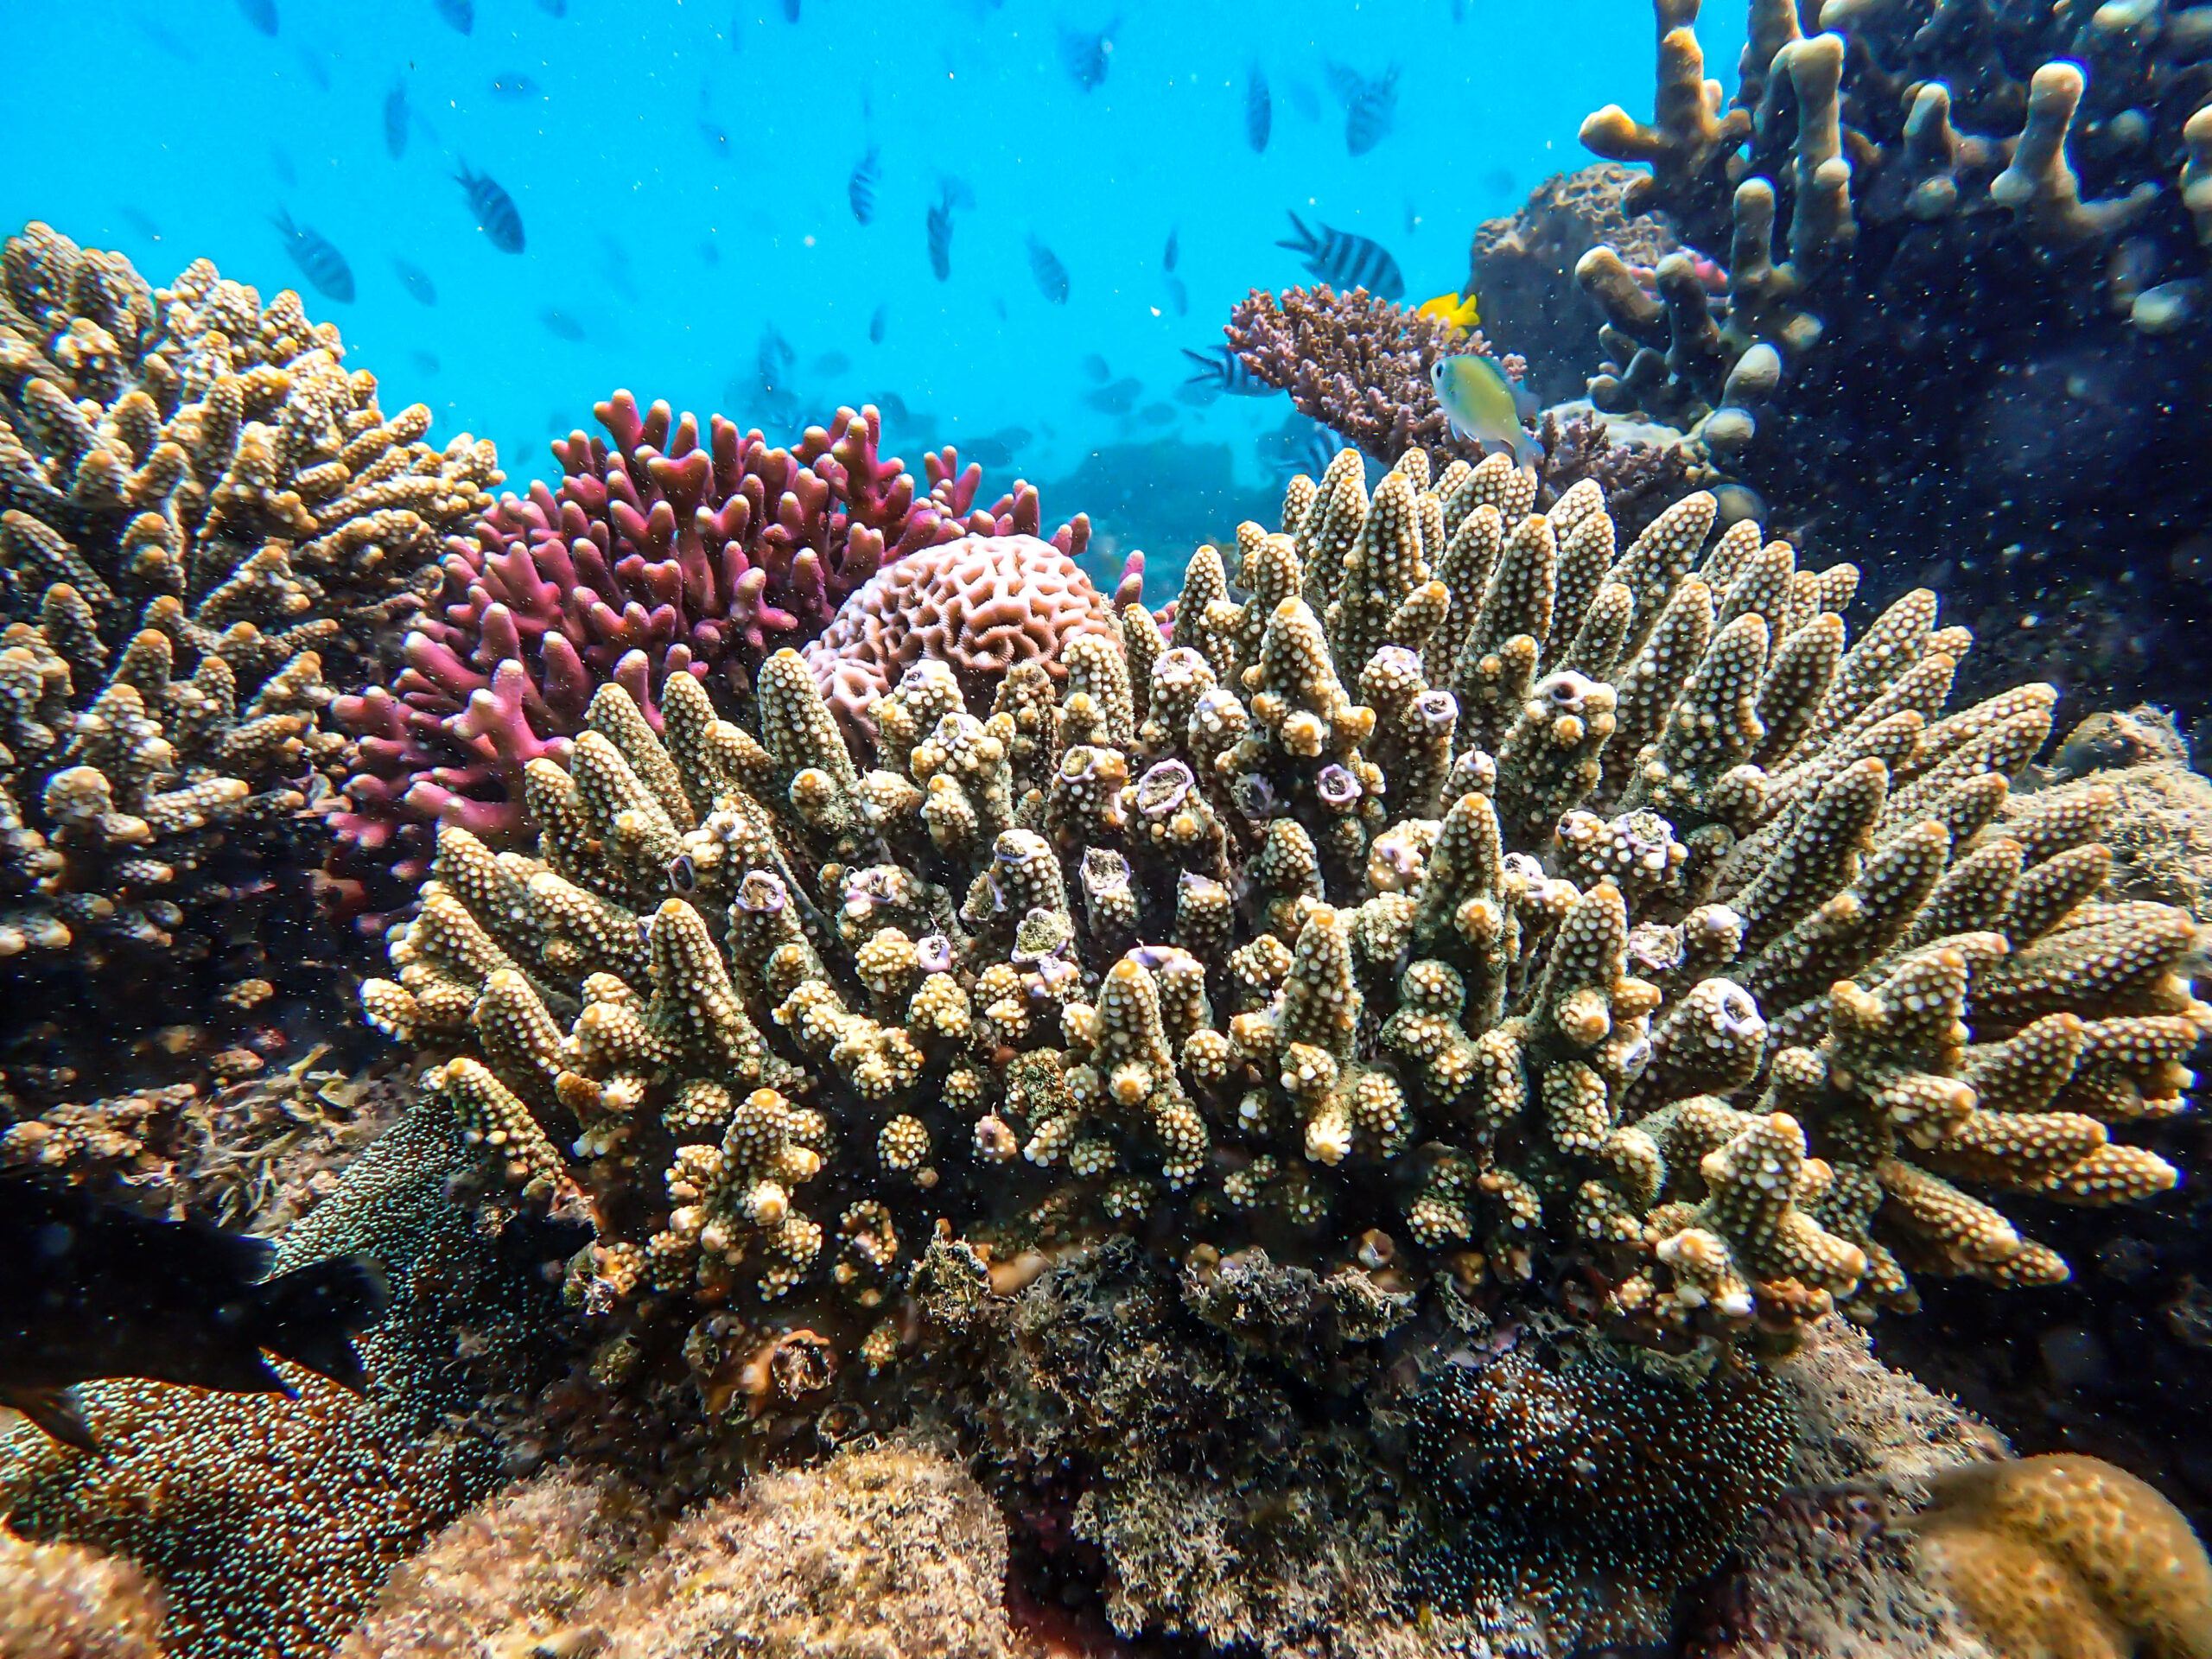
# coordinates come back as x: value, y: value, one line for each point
x: 661, y: 551
x: 2066, y: 1554
x: 201, y: 512
x: 1947, y: 257
x: 1629, y: 910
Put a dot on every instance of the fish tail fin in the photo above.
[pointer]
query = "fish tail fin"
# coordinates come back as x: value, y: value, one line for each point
x: 465, y: 178
x: 1304, y: 242
x: 309, y: 1314
x: 282, y: 219
x: 56, y: 1411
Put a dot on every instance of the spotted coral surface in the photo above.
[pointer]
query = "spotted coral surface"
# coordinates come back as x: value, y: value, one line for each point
x: 2067, y: 1554
x: 202, y: 512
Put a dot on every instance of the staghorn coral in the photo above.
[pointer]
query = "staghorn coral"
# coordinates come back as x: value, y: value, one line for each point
x: 663, y: 551
x: 2066, y: 1554
x: 981, y: 604
x: 1634, y: 944
x: 204, y: 511
x: 1958, y: 281
x: 58, y: 1602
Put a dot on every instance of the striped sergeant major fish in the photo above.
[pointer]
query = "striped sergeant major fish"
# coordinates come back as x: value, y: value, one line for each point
x: 1345, y: 261
x: 318, y: 262
x: 496, y: 215
x: 1220, y: 367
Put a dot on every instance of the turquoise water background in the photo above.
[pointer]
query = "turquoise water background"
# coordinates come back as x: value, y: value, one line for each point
x: 682, y: 171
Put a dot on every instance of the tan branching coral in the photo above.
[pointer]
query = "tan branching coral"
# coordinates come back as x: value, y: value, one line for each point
x: 58, y: 1602
x: 1582, y: 900
x: 202, y: 511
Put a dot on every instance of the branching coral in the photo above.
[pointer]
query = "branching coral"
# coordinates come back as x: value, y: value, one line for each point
x: 1630, y: 915
x: 58, y: 1602
x: 661, y: 551
x: 1960, y: 281
x: 203, y: 511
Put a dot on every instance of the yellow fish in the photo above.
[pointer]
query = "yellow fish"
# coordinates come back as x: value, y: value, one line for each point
x: 1459, y: 313
x: 1483, y: 404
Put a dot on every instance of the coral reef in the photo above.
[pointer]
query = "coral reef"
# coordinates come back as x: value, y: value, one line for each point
x: 1521, y: 269
x: 979, y: 604
x: 892, y: 1553
x: 1009, y: 948
x: 1959, y: 286
x: 2065, y: 1554
x: 661, y: 551
x: 255, y: 1155
x: 1359, y: 365
x: 58, y: 1602
x: 204, y: 512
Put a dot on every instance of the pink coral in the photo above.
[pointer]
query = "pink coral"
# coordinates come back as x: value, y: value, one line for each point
x: 983, y: 604
x: 658, y: 554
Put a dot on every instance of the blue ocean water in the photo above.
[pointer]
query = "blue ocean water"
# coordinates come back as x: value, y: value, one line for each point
x: 683, y: 175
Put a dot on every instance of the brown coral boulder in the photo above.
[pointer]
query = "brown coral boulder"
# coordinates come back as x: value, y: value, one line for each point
x: 983, y: 604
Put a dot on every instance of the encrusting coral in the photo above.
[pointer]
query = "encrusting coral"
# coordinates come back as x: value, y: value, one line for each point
x: 202, y: 512
x: 662, y: 550
x: 890, y: 1553
x: 58, y: 1602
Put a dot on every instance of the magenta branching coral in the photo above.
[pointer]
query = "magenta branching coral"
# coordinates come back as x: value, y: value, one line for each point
x: 658, y: 554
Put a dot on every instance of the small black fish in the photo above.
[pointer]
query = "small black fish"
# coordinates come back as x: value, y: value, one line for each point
x: 395, y: 120
x: 414, y: 281
x: 1179, y: 296
x: 709, y: 254
x: 1370, y: 106
x: 94, y: 1289
x: 895, y: 406
x: 426, y: 362
x: 1167, y: 259
x: 1085, y: 54
x: 1051, y: 276
x: 1118, y: 398
x: 561, y: 325
x: 140, y: 221
x: 1459, y: 11
x: 1496, y: 181
x: 791, y: 12
x: 495, y: 210
x: 460, y: 14
x: 773, y: 361
x: 1345, y: 261
x: 831, y: 363
x: 554, y: 8
x: 1310, y: 453
x: 280, y: 165
x: 1259, y: 110
x: 318, y: 262
x: 940, y: 237
x: 316, y: 72
x: 1220, y: 367
x: 261, y: 14
x: 859, y: 189
x: 513, y: 87
x: 1096, y: 367
x: 1157, y: 414
x: 876, y: 324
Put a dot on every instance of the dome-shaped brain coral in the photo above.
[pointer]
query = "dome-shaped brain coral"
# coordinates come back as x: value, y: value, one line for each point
x: 981, y: 604
x: 2068, y: 1555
